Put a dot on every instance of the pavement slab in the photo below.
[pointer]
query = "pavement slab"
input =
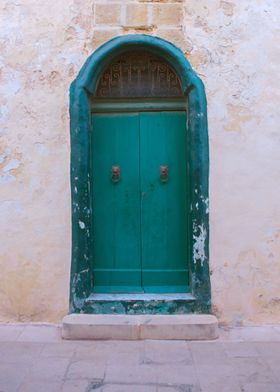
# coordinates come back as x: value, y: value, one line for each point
x: 35, y: 358
x: 10, y: 332
x: 260, y: 387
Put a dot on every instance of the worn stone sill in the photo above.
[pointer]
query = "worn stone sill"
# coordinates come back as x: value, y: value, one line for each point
x: 141, y: 297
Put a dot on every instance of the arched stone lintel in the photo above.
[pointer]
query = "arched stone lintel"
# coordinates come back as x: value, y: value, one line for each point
x: 102, y: 57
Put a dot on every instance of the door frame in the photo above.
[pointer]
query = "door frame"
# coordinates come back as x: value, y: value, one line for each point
x: 82, y: 94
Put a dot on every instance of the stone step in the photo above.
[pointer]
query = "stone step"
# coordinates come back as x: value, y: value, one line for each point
x: 137, y: 327
x: 141, y: 303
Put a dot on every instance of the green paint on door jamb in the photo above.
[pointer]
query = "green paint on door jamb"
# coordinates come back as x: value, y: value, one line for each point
x: 82, y: 92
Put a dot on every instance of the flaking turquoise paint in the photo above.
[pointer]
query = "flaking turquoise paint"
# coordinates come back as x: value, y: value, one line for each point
x: 81, y: 92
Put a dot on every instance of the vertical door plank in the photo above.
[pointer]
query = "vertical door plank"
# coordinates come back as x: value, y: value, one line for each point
x: 164, y: 205
x: 116, y: 206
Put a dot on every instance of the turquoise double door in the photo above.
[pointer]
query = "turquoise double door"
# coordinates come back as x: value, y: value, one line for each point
x: 140, y: 202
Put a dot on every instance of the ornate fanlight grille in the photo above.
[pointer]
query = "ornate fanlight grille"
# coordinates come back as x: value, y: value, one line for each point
x: 139, y: 74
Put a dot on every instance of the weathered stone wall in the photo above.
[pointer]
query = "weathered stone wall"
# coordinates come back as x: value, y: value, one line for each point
x: 234, y: 47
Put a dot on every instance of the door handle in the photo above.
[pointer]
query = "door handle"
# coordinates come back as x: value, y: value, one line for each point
x: 115, y: 174
x: 163, y: 170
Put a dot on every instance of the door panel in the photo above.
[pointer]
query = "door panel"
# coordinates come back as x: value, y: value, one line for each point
x: 116, y: 206
x: 140, y: 223
x: 164, y: 204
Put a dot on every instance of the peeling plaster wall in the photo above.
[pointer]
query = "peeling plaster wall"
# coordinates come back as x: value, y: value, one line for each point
x: 234, y: 47
x: 236, y: 53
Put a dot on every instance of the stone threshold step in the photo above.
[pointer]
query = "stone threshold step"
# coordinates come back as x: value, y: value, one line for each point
x: 141, y: 297
x: 137, y: 327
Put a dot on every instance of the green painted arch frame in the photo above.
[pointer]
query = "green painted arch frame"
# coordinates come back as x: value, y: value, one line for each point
x: 81, y: 91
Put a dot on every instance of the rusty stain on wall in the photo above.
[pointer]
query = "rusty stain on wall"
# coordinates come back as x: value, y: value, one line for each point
x: 237, y: 117
x: 227, y: 7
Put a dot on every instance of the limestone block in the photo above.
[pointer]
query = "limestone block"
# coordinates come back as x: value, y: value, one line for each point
x: 161, y: 1
x: 108, y: 14
x: 180, y: 327
x: 88, y: 326
x: 136, y: 15
x: 101, y: 36
x: 134, y: 327
x: 167, y: 14
x: 175, y: 36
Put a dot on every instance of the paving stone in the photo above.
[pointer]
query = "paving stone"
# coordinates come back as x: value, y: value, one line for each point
x: 251, y: 334
x: 123, y: 345
x: 270, y: 353
x: 40, y: 333
x: 161, y: 374
x: 218, y: 386
x: 276, y: 329
x: 207, y: 353
x: 127, y: 388
x: 169, y: 389
x: 241, y: 350
x: 85, y: 369
x: 19, y: 352
x: 128, y: 355
x: 249, y: 370
x: 258, y: 334
x: 179, y: 388
x: 269, y: 349
x: 63, y: 350
x: 12, y: 376
x: 177, y: 374
x: 131, y: 374
x: 260, y: 387
x: 39, y: 386
x: 217, y: 378
x: 91, y: 354
x: 274, y: 364
x: 158, y: 351
x: 75, y: 386
x: 9, y: 333
x: 49, y: 369
x: 136, y: 366
x: 111, y: 352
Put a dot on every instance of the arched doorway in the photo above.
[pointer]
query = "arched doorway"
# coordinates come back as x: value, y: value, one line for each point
x: 139, y: 176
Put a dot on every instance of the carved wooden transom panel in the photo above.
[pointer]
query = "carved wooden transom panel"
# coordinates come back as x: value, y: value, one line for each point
x: 139, y: 74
